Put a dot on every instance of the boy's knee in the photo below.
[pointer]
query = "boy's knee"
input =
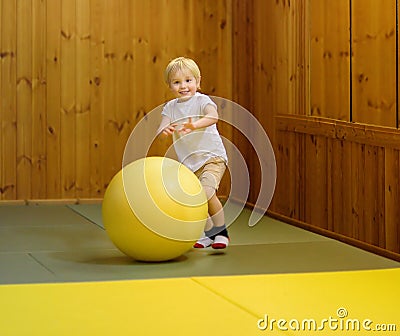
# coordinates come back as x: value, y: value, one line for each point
x: 210, y: 192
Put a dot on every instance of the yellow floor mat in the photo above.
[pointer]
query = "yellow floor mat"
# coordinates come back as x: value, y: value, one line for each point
x: 339, y: 303
x: 141, y: 307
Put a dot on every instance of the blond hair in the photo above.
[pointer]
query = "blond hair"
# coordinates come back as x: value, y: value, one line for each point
x: 181, y: 63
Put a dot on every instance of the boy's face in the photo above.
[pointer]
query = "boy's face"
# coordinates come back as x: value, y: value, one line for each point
x: 183, y: 84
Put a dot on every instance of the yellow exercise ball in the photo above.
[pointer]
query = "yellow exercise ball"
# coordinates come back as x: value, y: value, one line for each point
x: 154, y: 209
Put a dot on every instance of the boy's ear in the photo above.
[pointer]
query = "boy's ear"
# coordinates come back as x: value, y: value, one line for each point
x: 198, y: 82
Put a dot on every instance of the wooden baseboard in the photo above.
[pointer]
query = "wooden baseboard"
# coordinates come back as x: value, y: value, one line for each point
x: 52, y: 201
x: 348, y: 240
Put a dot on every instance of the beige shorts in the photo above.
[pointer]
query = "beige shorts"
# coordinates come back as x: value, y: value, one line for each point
x: 210, y: 174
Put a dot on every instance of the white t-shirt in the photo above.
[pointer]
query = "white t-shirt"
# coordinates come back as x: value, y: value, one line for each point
x: 195, y: 148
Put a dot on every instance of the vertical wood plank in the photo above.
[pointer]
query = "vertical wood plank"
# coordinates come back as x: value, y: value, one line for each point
x: 301, y: 151
x: 220, y: 15
x: 68, y: 98
x: 297, y: 53
x: 259, y: 63
x: 82, y: 96
x: 281, y: 58
x: 374, y: 62
x: 398, y: 63
x: 302, y: 46
x: 223, y: 29
x: 1, y: 105
x: 358, y: 189
x: 8, y: 162
x: 289, y: 199
x: 158, y: 38
x: 112, y: 126
x: 330, y: 59
x: 280, y: 200
x: 335, y: 186
x: 373, y: 207
x: 255, y: 27
x: 209, y: 51
x: 24, y: 99
x: 330, y: 184
x: 392, y: 196
x: 124, y: 50
x: 297, y: 151
x: 316, y: 181
x: 140, y: 45
x: 53, y: 99
x: 97, y: 14
x: 39, y: 100
x: 345, y: 209
x: 381, y: 198
x: 243, y: 31
x: 243, y: 37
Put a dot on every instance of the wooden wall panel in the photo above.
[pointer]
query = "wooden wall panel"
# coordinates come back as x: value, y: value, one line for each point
x: 96, y: 157
x: 243, y: 30
x: 8, y: 52
x: 334, y: 131
x: 289, y: 200
x: 392, y: 196
x: 115, y: 121
x: 316, y: 181
x: 350, y: 186
x: 68, y: 99
x: 82, y: 96
x: 24, y: 98
x: 278, y: 26
x: 39, y: 75
x: 364, y: 90
x: 329, y: 59
x: 272, y: 33
x: 374, y: 62
x: 373, y: 207
x: 357, y: 165
x: 76, y: 77
x: 300, y: 49
x: 53, y: 100
x: 340, y: 187
x: 244, y: 19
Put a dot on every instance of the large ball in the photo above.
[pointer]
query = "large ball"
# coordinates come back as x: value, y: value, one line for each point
x: 154, y: 209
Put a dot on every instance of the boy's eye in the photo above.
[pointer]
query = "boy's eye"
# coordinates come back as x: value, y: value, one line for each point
x: 188, y: 80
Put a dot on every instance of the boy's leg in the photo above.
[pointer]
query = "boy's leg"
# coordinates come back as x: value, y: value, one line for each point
x: 216, y: 211
x: 206, y: 240
x: 216, y: 234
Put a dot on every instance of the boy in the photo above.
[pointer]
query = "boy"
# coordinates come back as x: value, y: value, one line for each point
x: 191, y: 120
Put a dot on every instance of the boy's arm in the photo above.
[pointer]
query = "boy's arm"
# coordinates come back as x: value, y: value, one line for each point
x: 165, y: 127
x: 210, y: 118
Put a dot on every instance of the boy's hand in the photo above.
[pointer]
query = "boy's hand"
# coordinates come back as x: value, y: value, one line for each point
x: 187, y: 127
x: 169, y: 130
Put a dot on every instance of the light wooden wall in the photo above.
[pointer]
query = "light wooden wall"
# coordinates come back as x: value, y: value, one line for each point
x: 325, y: 84
x: 361, y: 88
x: 77, y: 75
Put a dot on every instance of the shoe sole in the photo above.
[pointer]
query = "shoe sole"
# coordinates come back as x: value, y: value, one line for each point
x: 218, y: 246
x: 199, y: 246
